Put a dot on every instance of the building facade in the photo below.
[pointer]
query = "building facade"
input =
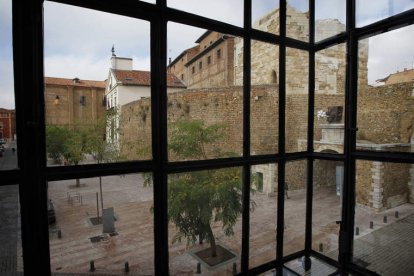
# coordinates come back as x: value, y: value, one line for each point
x: 209, y: 64
x: 7, y: 125
x: 73, y: 101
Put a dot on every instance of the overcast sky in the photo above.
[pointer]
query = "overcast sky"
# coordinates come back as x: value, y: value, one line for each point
x: 78, y: 41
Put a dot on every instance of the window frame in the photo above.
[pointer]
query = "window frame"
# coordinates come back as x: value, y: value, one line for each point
x: 33, y: 174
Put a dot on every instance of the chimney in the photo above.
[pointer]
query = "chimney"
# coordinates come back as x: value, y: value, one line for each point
x: 121, y: 63
x: 169, y: 61
x: 76, y: 81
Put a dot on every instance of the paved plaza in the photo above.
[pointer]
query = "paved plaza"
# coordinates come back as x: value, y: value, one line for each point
x: 81, y: 241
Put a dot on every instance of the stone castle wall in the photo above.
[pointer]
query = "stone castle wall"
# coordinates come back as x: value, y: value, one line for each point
x: 224, y: 106
x: 393, y: 107
x: 330, y: 63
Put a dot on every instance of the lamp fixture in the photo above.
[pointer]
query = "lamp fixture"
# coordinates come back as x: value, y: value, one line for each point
x: 56, y: 101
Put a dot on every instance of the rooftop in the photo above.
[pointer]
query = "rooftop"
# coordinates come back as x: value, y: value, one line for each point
x: 143, y: 78
x: 75, y: 82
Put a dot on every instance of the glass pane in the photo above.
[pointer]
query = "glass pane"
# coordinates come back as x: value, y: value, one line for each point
x: 11, y: 261
x: 230, y: 11
x: 367, y: 13
x: 265, y: 15
x: 385, y: 116
x: 318, y: 267
x: 8, y: 156
x: 204, y: 105
x: 204, y: 210
x: 297, y: 68
x: 97, y: 102
x: 330, y: 18
x: 384, y: 217
x: 328, y: 177
x: 295, y: 207
x: 330, y: 99
x: 264, y: 102
x: 297, y: 19
x: 263, y: 216
x: 107, y: 220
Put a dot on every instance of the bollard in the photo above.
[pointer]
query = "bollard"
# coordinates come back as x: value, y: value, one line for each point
x: 385, y: 219
x: 234, y: 268
x: 371, y: 224
x: 321, y: 247
x: 198, y: 268
x: 91, y: 266
x: 357, y: 231
x: 397, y: 214
x: 126, y: 267
x: 59, y: 234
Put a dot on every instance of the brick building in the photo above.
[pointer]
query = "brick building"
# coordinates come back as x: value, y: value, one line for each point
x: 7, y: 124
x: 209, y: 64
x: 73, y: 101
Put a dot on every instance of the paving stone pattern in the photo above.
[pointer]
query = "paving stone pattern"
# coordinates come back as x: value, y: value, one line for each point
x: 388, y: 250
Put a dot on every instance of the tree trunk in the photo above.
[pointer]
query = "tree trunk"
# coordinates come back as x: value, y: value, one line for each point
x: 212, y: 241
x: 77, y: 182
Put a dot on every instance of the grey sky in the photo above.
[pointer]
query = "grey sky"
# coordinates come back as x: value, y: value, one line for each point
x: 78, y: 41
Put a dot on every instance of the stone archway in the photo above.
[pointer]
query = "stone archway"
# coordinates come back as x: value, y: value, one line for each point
x: 328, y: 173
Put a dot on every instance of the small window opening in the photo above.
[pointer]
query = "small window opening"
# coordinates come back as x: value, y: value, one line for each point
x: 82, y: 100
x: 274, y: 77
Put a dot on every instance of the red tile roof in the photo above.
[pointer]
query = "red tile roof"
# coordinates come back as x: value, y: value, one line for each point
x: 143, y: 78
x: 83, y: 83
x: 4, y: 110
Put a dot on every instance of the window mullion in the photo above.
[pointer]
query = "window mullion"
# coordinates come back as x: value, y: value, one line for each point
x: 311, y: 108
x: 281, y: 142
x: 246, y: 135
x: 159, y: 138
x: 348, y: 202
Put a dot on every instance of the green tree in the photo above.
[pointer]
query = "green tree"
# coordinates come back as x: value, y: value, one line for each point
x: 198, y: 199
x: 55, y: 142
x: 73, y: 147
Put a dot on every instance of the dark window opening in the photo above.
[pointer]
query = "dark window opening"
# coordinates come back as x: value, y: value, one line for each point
x: 274, y: 77
x: 82, y: 100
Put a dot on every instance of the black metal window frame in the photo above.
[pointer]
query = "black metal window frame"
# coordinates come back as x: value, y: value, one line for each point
x: 32, y: 173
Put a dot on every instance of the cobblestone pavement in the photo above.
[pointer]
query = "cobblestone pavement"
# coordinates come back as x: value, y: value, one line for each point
x: 9, y: 228
x: 387, y: 249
